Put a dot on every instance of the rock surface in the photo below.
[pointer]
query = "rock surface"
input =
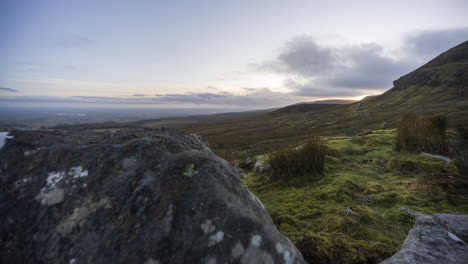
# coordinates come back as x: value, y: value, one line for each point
x: 439, y: 238
x: 134, y: 196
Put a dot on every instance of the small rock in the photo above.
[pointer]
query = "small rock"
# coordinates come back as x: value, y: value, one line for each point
x: 447, y: 160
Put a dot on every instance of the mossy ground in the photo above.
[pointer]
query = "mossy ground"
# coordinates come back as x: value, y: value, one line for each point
x: 313, y: 213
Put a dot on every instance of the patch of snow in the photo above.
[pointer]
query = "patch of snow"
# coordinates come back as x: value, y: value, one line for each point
x: 256, y: 240
x: 3, y: 137
x: 454, y: 237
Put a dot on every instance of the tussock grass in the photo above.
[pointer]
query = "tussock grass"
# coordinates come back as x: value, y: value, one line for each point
x: 462, y: 130
x: 306, y: 160
x: 461, y: 162
x: 422, y: 134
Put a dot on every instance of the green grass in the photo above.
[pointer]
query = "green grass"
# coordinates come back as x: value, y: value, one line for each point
x: 312, y: 212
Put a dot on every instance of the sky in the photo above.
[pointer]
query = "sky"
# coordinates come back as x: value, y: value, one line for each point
x: 232, y: 54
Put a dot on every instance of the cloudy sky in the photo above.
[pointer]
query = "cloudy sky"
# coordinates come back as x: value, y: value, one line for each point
x: 232, y: 54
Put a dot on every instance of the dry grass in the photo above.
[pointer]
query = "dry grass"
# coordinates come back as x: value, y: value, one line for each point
x: 308, y: 160
x: 422, y: 133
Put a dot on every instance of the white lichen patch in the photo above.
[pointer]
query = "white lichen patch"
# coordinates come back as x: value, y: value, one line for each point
x: 207, y: 227
x: 256, y: 240
x: 3, y: 137
x: 78, y: 172
x: 279, y: 248
x: 29, y: 152
x: 53, y: 178
x: 51, y: 197
x: 22, y: 181
x: 287, y: 256
x: 216, y: 238
x: 79, y: 215
x: 50, y: 193
x: 237, y: 251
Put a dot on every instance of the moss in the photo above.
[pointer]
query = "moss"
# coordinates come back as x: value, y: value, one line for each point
x: 312, y: 213
x: 189, y: 170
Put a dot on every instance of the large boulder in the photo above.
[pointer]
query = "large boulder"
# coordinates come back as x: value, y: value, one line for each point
x: 133, y: 196
x: 434, y: 239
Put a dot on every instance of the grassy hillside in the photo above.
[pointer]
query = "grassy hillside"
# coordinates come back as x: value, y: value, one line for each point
x: 365, y: 175
x: 440, y: 86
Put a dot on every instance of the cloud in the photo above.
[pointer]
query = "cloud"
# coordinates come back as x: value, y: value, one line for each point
x: 333, y: 71
x: 310, y: 89
x: 8, y: 90
x: 303, y: 56
x: 427, y: 44
x: 140, y: 95
x: 259, y: 98
x: 312, y: 69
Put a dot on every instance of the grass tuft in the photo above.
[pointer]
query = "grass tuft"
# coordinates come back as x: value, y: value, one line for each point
x: 307, y: 160
x: 461, y: 162
x: 422, y: 133
x: 462, y: 131
x: 364, y: 174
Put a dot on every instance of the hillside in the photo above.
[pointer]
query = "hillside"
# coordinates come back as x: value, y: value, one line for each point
x: 304, y: 108
x: 440, y: 85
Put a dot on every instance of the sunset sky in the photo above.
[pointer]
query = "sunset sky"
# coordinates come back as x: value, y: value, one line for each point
x: 245, y: 54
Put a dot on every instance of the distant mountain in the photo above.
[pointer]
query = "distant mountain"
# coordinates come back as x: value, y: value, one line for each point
x: 329, y: 102
x: 314, y: 106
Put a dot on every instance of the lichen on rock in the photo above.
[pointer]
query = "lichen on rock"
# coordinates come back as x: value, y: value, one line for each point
x: 132, y: 196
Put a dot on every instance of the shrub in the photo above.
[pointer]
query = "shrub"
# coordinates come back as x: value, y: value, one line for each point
x: 307, y: 160
x: 462, y: 131
x: 461, y: 162
x: 422, y: 133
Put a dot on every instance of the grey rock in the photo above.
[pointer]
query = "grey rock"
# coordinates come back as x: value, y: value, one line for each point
x: 447, y: 160
x: 133, y: 196
x: 434, y: 239
x: 240, y: 172
x: 260, y: 165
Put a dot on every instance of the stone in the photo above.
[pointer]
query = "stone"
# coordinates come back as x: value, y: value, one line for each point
x: 447, y: 160
x: 260, y: 165
x: 130, y: 196
x: 439, y: 238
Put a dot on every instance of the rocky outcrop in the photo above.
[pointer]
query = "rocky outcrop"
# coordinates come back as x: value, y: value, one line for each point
x: 439, y: 238
x: 134, y: 196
